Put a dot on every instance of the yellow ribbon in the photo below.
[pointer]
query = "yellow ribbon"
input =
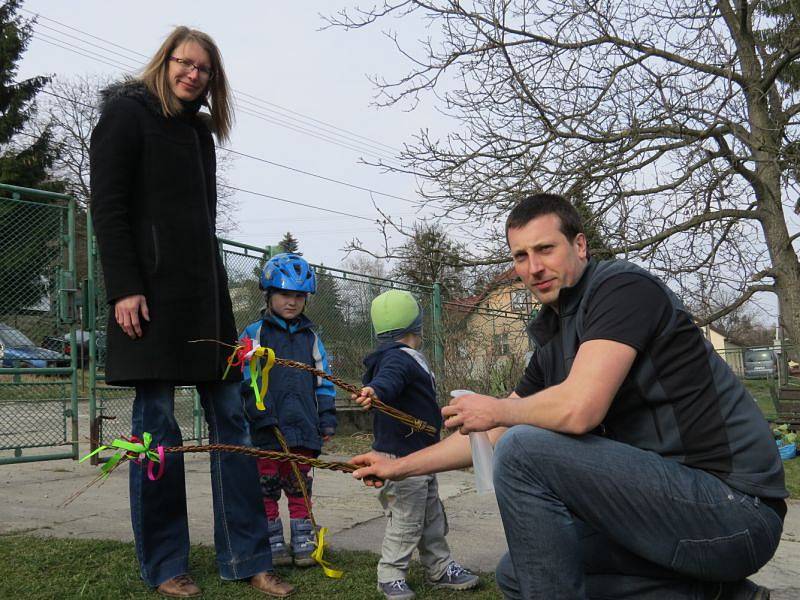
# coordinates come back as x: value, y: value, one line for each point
x: 254, y: 361
x: 317, y: 555
x: 238, y: 356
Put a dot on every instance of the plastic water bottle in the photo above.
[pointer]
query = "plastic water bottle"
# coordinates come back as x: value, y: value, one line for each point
x: 482, y: 454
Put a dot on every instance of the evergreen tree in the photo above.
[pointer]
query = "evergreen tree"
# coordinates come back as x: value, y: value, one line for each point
x: 22, y: 163
x: 24, y: 228
x: 289, y: 243
x: 428, y: 257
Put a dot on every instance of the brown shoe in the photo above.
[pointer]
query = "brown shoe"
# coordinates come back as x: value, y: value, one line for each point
x: 182, y: 586
x: 271, y: 585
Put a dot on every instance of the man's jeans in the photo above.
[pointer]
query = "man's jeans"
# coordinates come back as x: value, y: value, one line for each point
x: 158, y: 508
x: 588, y: 517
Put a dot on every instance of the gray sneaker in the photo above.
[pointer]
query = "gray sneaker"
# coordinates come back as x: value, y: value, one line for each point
x: 396, y: 590
x: 457, y: 578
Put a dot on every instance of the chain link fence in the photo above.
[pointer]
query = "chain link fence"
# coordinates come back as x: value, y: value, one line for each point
x: 37, y: 309
x: 486, y: 349
x: 340, y: 308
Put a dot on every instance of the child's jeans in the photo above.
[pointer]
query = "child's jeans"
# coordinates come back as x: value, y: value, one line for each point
x: 416, y: 520
x: 276, y: 476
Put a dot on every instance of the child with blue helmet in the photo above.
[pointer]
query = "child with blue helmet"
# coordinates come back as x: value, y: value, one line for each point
x: 398, y: 374
x: 300, y: 404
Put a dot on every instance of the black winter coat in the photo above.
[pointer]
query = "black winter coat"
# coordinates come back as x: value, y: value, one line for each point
x: 153, y: 203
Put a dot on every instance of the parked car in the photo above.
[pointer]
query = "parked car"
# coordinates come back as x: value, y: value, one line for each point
x: 62, y: 344
x: 19, y: 351
x: 760, y: 363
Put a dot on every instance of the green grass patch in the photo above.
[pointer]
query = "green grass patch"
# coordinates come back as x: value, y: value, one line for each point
x: 792, y: 470
x: 47, y: 568
x: 759, y: 388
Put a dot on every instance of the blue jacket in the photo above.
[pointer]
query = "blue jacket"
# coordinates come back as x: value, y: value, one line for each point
x: 401, y: 378
x: 301, y: 404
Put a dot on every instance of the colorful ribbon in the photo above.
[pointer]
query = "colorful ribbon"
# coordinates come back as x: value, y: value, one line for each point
x: 317, y: 555
x: 247, y: 351
x: 135, y: 450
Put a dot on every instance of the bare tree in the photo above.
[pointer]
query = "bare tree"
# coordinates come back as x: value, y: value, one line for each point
x: 678, y: 122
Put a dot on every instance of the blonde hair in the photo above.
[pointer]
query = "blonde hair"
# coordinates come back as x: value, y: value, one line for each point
x: 155, y: 77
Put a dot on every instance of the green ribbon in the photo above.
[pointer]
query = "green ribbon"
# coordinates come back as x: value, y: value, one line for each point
x: 126, y: 448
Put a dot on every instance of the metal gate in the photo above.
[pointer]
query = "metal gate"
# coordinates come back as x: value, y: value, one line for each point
x: 38, y: 314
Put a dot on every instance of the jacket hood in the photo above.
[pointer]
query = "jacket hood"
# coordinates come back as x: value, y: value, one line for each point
x: 372, y: 359
x: 132, y: 89
x: 135, y: 89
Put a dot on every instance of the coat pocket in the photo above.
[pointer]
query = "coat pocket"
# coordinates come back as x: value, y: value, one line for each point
x: 156, y: 250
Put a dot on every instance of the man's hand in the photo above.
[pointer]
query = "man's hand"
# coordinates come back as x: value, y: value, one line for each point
x: 472, y: 412
x: 365, y: 397
x: 375, y: 468
x: 126, y: 312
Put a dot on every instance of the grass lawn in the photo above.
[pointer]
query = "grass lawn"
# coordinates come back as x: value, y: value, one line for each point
x: 45, y: 568
x: 759, y: 388
x: 792, y: 469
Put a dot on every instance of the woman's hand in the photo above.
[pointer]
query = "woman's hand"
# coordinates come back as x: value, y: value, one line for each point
x: 126, y: 312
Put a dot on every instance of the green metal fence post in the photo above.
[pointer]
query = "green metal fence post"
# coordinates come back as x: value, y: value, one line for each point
x: 438, y: 334
x: 90, y: 316
x: 70, y: 298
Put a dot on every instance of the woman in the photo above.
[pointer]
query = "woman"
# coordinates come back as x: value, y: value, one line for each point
x: 153, y: 180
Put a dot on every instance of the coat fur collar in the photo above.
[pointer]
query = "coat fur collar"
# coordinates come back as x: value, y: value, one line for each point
x: 136, y: 90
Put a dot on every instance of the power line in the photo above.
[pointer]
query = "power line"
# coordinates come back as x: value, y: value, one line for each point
x: 255, y: 112
x: 322, y: 134
x: 365, y: 140
x: 267, y: 161
x: 75, y: 37
x: 295, y: 202
x: 37, y: 36
x: 371, y: 142
x: 317, y: 175
x: 66, y: 45
x: 255, y: 98
x: 39, y: 15
x: 262, y: 195
x: 298, y: 129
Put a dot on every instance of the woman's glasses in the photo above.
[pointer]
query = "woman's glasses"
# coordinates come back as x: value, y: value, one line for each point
x: 188, y: 66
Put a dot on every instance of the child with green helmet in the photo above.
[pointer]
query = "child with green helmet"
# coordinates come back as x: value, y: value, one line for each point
x: 398, y: 374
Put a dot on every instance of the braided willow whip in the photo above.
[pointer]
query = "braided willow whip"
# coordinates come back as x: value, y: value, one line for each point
x: 342, y: 467
x: 413, y: 422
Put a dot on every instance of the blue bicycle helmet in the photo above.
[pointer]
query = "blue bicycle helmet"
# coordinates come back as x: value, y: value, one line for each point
x: 287, y: 271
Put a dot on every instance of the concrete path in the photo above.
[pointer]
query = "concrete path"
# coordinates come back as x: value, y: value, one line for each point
x: 30, y: 495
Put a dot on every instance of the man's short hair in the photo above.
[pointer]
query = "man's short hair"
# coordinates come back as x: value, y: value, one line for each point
x: 538, y: 205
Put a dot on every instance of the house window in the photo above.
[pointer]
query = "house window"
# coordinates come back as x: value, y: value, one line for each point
x: 520, y: 301
x: 500, y: 344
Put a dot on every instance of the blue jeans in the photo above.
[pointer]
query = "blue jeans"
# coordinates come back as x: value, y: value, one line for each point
x: 158, y: 508
x: 588, y: 517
